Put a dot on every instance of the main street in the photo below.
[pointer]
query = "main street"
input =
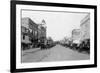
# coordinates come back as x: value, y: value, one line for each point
x: 56, y: 53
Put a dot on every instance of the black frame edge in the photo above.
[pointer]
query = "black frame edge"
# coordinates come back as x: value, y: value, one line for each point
x: 54, y: 4
x: 55, y: 68
x: 95, y: 36
x: 12, y: 36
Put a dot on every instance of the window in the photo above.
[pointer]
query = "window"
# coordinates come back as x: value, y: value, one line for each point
x: 23, y: 37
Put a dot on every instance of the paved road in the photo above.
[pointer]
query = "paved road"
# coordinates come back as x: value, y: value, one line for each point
x: 35, y: 56
x: 60, y: 53
x: 57, y: 53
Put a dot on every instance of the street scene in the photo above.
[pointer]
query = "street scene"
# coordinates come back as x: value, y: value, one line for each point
x: 54, y: 36
x: 56, y: 53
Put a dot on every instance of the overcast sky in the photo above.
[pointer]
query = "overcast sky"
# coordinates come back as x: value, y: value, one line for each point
x: 59, y: 24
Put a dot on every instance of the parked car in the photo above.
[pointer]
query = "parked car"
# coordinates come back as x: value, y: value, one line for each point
x: 74, y: 45
x: 85, y: 46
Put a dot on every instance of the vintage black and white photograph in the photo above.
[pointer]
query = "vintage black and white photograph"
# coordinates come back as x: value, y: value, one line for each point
x: 54, y: 36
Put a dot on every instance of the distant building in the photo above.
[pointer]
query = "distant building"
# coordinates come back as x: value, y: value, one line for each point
x: 85, y: 27
x: 76, y: 35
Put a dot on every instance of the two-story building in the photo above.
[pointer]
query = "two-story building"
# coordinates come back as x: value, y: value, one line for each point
x: 32, y: 32
x: 29, y: 31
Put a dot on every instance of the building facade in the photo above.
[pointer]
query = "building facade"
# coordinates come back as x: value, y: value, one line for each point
x: 31, y: 27
x: 42, y: 32
x: 76, y: 35
x: 85, y: 27
x: 32, y: 32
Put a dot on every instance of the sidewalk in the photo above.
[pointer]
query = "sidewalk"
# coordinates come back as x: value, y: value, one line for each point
x: 29, y: 51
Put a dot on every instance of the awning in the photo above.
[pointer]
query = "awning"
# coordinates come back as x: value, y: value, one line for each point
x: 76, y: 41
x: 26, y: 41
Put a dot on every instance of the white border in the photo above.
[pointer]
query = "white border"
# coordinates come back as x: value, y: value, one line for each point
x: 20, y: 65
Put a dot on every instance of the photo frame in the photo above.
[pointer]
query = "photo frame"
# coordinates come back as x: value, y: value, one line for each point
x: 18, y: 10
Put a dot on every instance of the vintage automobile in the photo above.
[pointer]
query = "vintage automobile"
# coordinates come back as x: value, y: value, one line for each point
x: 75, y: 45
x: 85, y: 46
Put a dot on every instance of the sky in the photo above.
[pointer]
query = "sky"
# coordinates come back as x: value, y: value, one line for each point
x: 59, y: 24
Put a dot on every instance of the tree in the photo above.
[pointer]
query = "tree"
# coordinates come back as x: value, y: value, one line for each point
x: 43, y: 21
